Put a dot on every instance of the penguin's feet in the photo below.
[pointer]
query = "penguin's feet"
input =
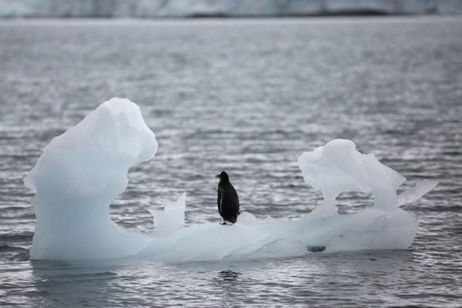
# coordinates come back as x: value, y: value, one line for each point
x: 225, y: 222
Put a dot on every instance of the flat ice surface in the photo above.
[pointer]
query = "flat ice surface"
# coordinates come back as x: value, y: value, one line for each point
x: 81, y: 171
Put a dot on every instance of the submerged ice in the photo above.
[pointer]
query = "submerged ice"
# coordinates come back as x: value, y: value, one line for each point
x: 81, y: 171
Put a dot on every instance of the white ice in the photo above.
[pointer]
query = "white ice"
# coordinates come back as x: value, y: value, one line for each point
x: 76, y: 178
x: 81, y: 171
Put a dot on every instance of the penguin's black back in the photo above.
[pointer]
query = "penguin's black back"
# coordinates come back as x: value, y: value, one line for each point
x: 228, y: 200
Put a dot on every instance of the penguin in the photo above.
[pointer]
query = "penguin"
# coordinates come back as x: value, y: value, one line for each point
x: 228, y: 200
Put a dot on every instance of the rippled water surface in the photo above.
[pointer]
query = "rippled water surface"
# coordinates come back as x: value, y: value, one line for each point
x: 246, y: 96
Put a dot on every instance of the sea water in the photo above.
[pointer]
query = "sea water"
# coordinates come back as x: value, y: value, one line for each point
x: 248, y: 97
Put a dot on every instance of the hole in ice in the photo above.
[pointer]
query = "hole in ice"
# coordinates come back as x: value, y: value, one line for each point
x: 352, y: 202
x: 130, y: 209
x: 315, y: 248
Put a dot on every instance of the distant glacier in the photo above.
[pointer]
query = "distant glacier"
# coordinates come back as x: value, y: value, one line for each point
x: 220, y: 8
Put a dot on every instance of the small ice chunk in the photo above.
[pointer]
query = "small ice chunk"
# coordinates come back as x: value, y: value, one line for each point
x: 419, y: 190
x: 246, y: 218
x: 171, y: 217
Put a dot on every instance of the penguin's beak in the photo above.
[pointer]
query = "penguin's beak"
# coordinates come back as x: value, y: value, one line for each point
x: 217, y: 176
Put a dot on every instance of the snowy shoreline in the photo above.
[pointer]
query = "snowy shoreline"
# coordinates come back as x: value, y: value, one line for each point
x: 221, y: 8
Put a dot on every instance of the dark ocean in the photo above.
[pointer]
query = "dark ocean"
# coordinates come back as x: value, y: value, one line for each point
x: 247, y: 96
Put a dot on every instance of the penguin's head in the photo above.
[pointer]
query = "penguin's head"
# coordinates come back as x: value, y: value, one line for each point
x: 223, y: 176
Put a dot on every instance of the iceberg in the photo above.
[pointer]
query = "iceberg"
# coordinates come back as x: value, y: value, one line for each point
x: 81, y: 171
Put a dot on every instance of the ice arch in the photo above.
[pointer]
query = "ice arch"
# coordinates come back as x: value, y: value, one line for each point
x: 78, y: 175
